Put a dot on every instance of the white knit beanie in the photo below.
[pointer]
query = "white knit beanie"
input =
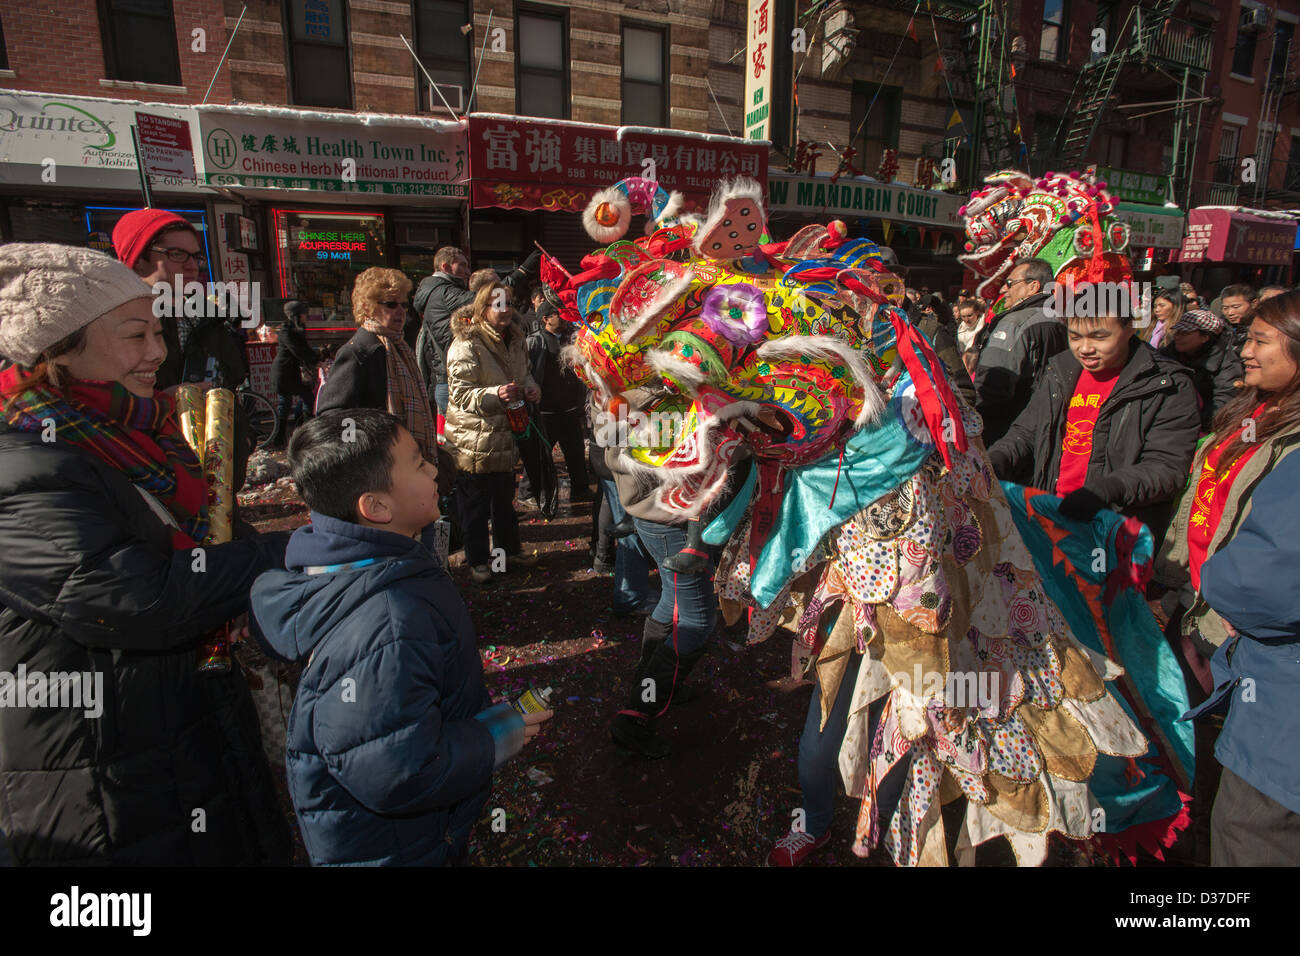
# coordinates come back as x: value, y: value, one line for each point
x: 48, y: 291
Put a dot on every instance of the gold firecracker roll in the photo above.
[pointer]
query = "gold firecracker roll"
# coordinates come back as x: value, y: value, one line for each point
x: 192, y: 413
x: 219, y: 473
x: 218, y: 465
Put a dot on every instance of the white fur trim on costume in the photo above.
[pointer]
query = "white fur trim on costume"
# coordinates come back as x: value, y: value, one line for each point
x: 671, y: 208
x: 832, y: 347
x: 607, y: 234
x: 686, y: 375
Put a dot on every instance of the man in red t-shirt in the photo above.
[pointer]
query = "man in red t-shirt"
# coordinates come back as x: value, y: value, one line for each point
x: 1111, y: 424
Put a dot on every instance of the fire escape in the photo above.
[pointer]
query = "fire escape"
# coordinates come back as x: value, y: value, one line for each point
x: 1149, y: 38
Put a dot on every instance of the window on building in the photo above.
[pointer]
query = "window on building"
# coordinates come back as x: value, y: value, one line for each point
x: 1292, y: 182
x: 1243, y: 54
x: 139, y: 39
x: 880, y: 131
x: 542, y: 63
x: 1114, y: 150
x: 645, y: 92
x: 444, y: 50
x: 1283, y: 35
x: 1225, y: 167
x: 1108, y: 21
x: 319, y: 72
x: 1055, y: 41
x: 4, y: 50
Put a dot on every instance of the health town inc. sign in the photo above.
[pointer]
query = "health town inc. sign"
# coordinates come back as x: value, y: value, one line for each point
x: 268, y: 148
x: 79, y: 142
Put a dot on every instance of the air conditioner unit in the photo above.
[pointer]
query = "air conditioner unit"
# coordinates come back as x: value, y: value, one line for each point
x: 1254, y: 19
x: 453, y: 93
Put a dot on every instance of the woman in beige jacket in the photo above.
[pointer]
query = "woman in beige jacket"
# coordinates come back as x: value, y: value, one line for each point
x: 487, y: 370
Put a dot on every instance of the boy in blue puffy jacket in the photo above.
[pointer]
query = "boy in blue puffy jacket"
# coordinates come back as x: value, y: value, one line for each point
x: 392, y: 739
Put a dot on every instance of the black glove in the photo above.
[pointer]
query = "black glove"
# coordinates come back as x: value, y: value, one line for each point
x: 532, y: 262
x: 1082, y: 504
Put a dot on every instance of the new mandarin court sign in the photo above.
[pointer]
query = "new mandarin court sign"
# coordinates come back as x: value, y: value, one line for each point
x: 818, y: 196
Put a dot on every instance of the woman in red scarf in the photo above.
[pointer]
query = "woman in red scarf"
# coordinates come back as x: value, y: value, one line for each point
x: 1252, y: 434
x: 119, y: 751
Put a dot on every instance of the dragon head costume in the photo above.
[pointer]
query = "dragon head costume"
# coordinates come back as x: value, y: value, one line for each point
x: 869, y: 521
x: 1066, y: 219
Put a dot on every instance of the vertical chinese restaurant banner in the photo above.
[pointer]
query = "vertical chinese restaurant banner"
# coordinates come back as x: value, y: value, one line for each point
x: 758, y: 70
x: 558, y: 166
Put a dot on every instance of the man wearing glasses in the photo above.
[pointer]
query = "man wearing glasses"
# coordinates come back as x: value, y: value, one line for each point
x: 1016, y: 353
x: 161, y: 246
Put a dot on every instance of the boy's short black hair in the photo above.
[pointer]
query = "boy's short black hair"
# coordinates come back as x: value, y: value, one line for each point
x: 342, y: 454
x: 1093, y: 302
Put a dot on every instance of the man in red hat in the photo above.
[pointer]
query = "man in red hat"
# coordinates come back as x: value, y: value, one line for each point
x: 164, y: 248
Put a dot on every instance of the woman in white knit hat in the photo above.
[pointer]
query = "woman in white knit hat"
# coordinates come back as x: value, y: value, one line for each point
x: 138, y: 758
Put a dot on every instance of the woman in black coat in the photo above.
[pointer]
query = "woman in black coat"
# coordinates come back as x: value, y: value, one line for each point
x: 143, y: 759
x: 293, y: 356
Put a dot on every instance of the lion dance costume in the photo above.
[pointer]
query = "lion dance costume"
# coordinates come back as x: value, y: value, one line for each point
x: 869, y: 521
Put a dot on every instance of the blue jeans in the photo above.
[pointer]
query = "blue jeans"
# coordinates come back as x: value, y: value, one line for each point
x: 697, y: 605
x: 819, y: 754
x: 631, y: 562
x: 441, y: 396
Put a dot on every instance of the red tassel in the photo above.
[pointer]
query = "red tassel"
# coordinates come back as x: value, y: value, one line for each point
x: 838, y: 469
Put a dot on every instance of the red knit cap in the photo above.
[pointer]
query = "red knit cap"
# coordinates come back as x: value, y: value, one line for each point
x: 135, y: 230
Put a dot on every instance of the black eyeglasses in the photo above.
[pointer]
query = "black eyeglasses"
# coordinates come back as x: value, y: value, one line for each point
x: 1011, y: 282
x: 176, y: 254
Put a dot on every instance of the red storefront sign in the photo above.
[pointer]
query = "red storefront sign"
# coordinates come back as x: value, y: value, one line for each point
x: 557, y: 165
x: 261, y: 355
x: 1227, y: 235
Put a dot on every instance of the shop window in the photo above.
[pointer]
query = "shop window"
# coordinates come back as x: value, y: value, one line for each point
x: 645, y: 92
x: 443, y: 45
x: 139, y: 38
x: 542, y: 63
x: 880, y: 131
x: 1054, y: 43
x: 1243, y: 54
x: 100, y: 221
x: 319, y: 71
x: 319, y: 255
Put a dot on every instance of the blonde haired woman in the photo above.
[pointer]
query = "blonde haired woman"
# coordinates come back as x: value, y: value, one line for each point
x: 487, y: 371
x: 376, y: 368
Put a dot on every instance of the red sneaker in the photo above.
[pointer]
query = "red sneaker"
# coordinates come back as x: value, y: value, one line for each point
x: 795, y: 847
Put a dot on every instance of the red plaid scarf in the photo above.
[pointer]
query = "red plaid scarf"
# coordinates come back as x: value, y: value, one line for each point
x: 408, y: 398
x: 137, y: 436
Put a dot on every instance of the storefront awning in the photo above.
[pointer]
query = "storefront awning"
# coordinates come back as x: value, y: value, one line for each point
x: 1226, y: 234
x: 79, y: 142
x: 818, y: 197
x: 559, y: 165
x: 1158, y: 226
x: 333, y: 155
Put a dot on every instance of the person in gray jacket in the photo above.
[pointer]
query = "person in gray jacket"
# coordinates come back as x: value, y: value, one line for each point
x: 1016, y: 353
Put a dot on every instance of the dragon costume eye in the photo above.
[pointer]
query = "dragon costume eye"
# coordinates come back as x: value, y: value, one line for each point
x: 606, y: 214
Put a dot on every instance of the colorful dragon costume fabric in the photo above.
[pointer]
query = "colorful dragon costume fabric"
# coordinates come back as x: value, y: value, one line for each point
x: 869, y: 520
x: 1066, y: 219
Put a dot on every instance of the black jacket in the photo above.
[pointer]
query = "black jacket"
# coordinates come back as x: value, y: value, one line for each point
x: 945, y: 346
x: 562, y: 390
x: 437, y: 297
x: 172, y: 771
x: 359, y: 376
x: 1235, y: 335
x: 293, y: 354
x: 1215, y: 369
x: 1012, y: 362
x: 1142, y: 445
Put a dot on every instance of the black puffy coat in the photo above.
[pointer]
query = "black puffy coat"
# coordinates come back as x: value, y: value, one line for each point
x: 89, y: 583
x: 1142, y: 444
x: 1012, y: 361
x: 1215, y: 369
x: 292, y: 355
x: 437, y: 297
